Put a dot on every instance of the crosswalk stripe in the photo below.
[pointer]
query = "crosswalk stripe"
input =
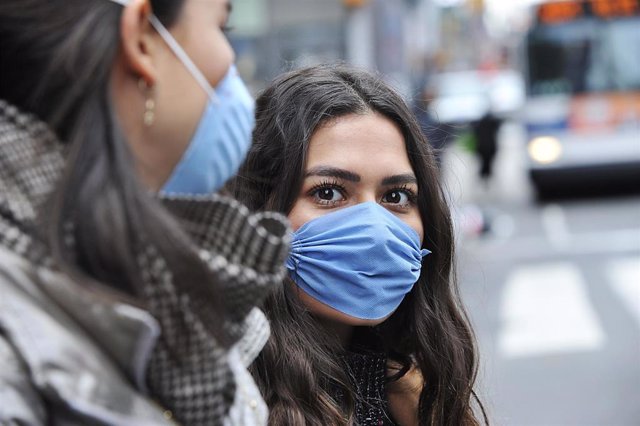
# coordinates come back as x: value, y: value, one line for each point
x: 545, y: 310
x: 625, y: 278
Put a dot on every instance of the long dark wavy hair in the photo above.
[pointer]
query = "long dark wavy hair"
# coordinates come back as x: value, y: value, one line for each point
x: 56, y: 58
x: 300, y: 365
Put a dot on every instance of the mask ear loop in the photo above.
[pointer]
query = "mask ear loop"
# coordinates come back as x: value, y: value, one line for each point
x: 180, y: 53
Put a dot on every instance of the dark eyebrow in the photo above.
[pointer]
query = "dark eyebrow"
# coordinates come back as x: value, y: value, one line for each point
x: 229, y: 7
x: 333, y: 172
x: 399, y: 179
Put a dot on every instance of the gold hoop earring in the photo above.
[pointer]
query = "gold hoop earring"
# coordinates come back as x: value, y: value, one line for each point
x: 149, y: 115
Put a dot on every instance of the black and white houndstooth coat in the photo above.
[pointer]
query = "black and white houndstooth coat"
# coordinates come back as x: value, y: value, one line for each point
x: 68, y: 355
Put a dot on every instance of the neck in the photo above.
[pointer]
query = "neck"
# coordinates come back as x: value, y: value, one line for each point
x: 343, y: 332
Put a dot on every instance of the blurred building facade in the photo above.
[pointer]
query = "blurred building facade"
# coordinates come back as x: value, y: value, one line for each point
x: 405, y: 40
x: 399, y: 38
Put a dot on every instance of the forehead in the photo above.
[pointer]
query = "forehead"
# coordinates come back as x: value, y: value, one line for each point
x: 368, y: 142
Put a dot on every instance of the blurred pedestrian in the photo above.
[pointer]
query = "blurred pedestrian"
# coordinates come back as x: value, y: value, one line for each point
x: 366, y: 330
x: 121, y: 305
x: 485, y: 131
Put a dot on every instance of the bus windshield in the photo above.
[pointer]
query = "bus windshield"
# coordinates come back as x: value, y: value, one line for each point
x: 583, y: 56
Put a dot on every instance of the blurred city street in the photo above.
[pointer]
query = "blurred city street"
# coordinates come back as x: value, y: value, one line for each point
x: 530, y: 111
x: 553, y: 287
x: 553, y: 290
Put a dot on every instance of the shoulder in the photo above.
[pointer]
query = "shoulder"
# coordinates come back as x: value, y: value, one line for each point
x: 404, y: 395
x: 21, y: 318
x: 37, y: 332
x: 20, y: 295
x: 21, y: 401
x: 34, y: 325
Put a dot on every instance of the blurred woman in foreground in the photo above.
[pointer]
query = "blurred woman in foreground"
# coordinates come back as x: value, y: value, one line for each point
x: 128, y: 288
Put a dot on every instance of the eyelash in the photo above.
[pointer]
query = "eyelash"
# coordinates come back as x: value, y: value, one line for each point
x: 327, y: 185
x: 411, y: 195
x: 227, y: 29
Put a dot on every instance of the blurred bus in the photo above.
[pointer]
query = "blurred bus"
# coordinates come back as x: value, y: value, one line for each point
x: 582, y: 112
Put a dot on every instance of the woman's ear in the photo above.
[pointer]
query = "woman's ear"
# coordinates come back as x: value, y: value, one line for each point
x: 139, y: 40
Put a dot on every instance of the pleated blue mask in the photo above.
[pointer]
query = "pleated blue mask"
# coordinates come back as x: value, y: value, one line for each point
x: 361, y: 260
x: 223, y: 135
x: 220, y: 142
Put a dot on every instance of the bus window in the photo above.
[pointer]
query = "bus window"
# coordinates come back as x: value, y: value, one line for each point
x: 558, y: 57
x: 584, y: 56
x: 615, y: 65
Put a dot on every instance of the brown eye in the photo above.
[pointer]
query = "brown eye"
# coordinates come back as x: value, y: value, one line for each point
x: 328, y: 194
x: 396, y: 197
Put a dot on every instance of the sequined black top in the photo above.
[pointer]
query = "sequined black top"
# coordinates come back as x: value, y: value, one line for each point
x: 367, y: 372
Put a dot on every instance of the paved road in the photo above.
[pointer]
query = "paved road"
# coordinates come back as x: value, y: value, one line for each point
x: 554, y: 292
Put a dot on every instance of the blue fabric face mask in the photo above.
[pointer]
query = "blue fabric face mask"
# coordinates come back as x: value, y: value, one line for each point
x: 361, y: 260
x: 220, y: 143
x: 223, y: 135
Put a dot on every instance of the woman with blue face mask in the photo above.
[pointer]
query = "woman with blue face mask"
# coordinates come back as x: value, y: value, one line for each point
x: 367, y: 328
x: 129, y: 288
